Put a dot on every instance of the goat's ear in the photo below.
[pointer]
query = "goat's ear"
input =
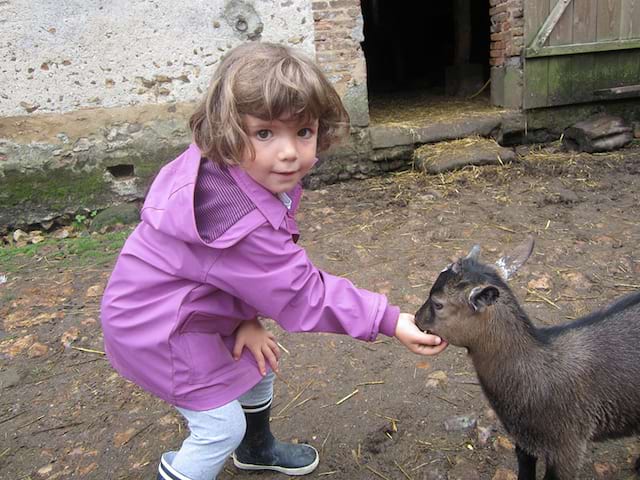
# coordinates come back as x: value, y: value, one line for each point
x: 482, y: 297
x: 509, y: 264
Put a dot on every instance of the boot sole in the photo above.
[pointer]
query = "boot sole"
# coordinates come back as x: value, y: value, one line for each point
x: 287, y: 471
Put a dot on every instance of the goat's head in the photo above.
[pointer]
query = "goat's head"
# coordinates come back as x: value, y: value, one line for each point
x: 461, y: 300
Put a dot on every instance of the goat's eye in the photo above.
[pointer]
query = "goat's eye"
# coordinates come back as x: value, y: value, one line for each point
x: 436, y: 305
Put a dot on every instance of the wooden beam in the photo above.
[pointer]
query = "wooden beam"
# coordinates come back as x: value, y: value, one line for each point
x: 583, y: 48
x: 619, y: 92
x: 548, y: 26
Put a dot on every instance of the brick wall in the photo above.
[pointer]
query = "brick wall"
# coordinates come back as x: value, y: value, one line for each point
x: 507, y: 31
x: 338, y: 33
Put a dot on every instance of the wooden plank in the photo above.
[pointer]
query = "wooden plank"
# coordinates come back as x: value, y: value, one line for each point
x: 558, y: 8
x: 609, y: 20
x: 629, y: 71
x: 536, y: 80
x: 629, y: 90
x: 584, y: 21
x: 607, y: 64
x: 630, y: 22
x: 585, y: 48
x: 562, y: 34
x: 631, y: 10
x: 536, y: 71
x: 535, y: 13
x: 607, y: 70
x: 584, y: 31
x: 560, y: 83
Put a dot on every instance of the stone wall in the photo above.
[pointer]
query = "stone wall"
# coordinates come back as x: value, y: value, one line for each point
x: 507, y: 42
x: 507, y: 31
x: 338, y: 34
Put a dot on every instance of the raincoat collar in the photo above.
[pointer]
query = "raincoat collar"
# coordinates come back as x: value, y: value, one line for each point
x: 269, y: 204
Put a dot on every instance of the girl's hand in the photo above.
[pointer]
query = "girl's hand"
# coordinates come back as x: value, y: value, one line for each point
x: 260, y: 342
x: 416, y: 340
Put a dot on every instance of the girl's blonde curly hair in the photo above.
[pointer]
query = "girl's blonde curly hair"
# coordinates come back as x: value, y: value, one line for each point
x: 268, y: 81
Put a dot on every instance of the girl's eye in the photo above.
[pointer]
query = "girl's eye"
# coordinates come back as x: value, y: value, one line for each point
x: 436, y: 305
x: 305, y: 132
x: 263, y: 134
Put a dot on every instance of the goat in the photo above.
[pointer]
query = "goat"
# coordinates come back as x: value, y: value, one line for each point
x: 553, y: 388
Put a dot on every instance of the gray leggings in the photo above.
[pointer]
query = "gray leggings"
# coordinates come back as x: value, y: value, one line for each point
x: 215, y: 434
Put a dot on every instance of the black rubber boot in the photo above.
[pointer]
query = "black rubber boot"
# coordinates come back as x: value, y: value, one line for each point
x: 259, y: 450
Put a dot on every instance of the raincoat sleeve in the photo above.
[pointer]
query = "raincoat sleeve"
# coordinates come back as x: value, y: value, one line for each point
x: 267, y: 270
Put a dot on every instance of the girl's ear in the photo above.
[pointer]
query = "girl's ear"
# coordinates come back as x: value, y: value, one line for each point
x: 482, y: 297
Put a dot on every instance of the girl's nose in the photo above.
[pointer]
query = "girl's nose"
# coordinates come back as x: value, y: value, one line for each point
x: 288, y: 150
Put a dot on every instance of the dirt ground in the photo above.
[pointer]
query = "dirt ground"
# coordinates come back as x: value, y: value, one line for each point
x: 373, y: 410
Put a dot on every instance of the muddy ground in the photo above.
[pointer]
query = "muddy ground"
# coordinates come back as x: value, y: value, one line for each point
x: 372, y: 410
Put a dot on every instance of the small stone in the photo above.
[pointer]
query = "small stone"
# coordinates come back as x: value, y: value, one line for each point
x: 70, y: 336
x: 20, y: 345
x: 19, y: 235
x: 504, y: 443
x: 76, y: 451
x: 605, y: 471
x: 168, y: 420
x: 579, y: 280
x: 120, y: 438
x: 436, y: 472
x: 504, y: 474
x: 456, y: 424
x: 29, y: 107
x: 36, y: 239
x: 490, y: 415
x: 437, y: 379
x: 9, y: 377
x: 62, y: 234
x: 45, y: 471
x: 82, y: 145
x: 463, y: 470
x: 483, y: 434
x: 542, y: 283
x: 37, y: 350
x: 95, y: 291
x: 88, y: 469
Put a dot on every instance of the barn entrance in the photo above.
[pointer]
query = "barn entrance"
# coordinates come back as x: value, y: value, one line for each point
x: 430, y: 54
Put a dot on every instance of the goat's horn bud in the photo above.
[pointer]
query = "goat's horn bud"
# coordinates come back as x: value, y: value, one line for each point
x: 474, y: 253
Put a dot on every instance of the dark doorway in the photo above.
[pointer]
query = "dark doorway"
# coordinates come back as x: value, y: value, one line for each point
x: 438, y: 47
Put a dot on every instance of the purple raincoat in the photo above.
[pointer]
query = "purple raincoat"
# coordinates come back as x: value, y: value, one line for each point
x: 175, y: 299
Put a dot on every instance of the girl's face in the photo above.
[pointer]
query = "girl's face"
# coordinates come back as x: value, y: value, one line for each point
x: 285, y: 151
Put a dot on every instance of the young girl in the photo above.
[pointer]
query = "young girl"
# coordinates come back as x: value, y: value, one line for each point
x: 216, y: 248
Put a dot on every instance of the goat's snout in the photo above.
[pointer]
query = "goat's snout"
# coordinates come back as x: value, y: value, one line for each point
x: 423, y: 318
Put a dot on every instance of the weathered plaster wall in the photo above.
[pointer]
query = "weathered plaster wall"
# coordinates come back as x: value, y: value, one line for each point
x: 59, y: 56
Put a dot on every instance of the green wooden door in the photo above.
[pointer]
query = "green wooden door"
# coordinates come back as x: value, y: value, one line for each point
x: 580, y: 51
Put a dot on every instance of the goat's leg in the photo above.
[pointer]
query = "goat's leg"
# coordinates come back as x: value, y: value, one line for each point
x: 551, y: 473
x: 565, y: 462
x: 637, y: 466
x: 526, y: 464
